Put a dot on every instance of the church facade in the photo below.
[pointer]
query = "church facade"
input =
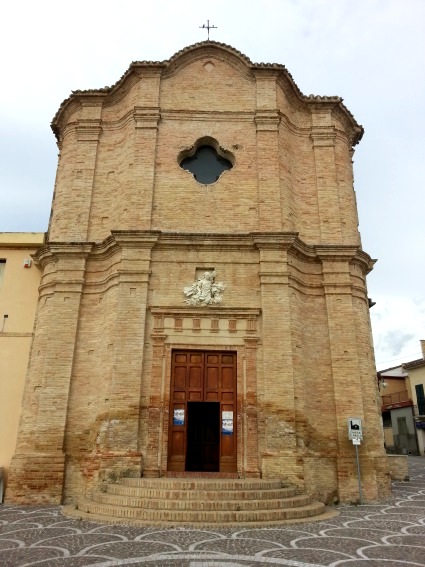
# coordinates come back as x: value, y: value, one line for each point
x: 203, y: 304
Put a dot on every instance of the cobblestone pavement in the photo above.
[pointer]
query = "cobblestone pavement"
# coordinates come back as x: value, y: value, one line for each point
x: 386, y: 535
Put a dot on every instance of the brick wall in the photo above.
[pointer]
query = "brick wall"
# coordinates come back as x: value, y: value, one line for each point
x: 130, y: 229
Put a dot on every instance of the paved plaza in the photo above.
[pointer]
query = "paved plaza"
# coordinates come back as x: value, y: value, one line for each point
x: 386, y: 535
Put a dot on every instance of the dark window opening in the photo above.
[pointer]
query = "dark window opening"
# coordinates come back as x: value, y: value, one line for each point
x: 2, y: 267
x: 386, y: 418
x: 206, y: 165
x: 421, y: 398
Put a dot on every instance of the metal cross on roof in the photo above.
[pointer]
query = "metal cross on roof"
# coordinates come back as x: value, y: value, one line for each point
x: 208, y: 27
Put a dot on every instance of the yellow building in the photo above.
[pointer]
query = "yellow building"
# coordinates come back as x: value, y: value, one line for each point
x: 19, y: 282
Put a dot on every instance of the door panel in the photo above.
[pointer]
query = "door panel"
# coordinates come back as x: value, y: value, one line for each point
x: 180, y: 377
x: 212, y: 378
x: 202, y: 437
x: 194, y: 396
x: 195, y: 378
x: 227, y: 379
x: 178, y: 441
x: 211, y: 396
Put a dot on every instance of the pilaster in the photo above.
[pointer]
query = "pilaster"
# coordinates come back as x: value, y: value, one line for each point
x: 337, y: 287
x: 250, y: 408
x: 346, y: 369
x: 127, y: 365
x: 156, y: 403
x: 323, y: 137
x: 267, y: 120
x: 37, y: 468
x: 277, y: 404
x: 71, y: 211
x: 146, y: 120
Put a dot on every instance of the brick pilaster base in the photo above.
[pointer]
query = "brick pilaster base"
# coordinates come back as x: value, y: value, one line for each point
x: 36, y: 478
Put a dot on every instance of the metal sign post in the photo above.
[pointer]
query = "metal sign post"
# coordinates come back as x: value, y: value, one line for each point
x: 355, y: 434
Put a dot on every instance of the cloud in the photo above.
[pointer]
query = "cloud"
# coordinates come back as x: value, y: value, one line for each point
x: 398, y: 324
x: 396, y: 341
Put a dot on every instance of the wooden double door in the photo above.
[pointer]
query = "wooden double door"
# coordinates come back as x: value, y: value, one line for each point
x: 202, y: 427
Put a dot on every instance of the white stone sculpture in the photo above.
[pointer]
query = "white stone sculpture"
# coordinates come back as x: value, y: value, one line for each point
x: 205, y: 291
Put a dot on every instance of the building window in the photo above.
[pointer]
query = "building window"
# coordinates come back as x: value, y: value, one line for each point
x: 421, y: 398
x: 2, y: 267
x: 386, y: 418
x: 206, y: 161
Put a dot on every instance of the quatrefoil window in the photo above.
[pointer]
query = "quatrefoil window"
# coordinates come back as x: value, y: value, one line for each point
x: 206, y: 161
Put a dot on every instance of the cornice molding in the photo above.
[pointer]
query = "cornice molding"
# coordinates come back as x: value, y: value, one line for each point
x: 334, y: 252
x: 365, y: 262
x: 219, y: 312
x: 323, y: 136
x: 51, y: 252
x: 146, y: 239
x: 88, y: 130
x: 266, y: 73
x: 136, y: 238
x: 146, y: 117
x: 43, y: 256
x: 70, y: 248
x: 267, y: 120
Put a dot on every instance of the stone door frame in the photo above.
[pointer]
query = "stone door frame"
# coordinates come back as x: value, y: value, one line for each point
x: 198, y: 391
x: 245, y: 347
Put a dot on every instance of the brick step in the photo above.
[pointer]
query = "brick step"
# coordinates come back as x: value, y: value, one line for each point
x: 206, y: 504
x: 198, y: 502
x: 189, y: 474
x: 71, y: 512
x: 159, y: 493
x: 123, y: 513
x: 166, y: 483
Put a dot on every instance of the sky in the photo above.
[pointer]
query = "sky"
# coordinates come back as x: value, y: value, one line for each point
x: 369, y: 52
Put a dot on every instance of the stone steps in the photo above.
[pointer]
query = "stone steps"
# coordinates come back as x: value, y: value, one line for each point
x: 193, y: 494
x: 204, y: 484
x: 207, y: 504
x: 198, y: 503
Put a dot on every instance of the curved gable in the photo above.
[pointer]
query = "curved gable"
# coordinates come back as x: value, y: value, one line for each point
x: 224, y: 80
x: 207, y: 49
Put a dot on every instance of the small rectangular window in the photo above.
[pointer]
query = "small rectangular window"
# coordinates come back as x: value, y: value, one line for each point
x: 2, y: 267
x: 386, y: 418
x: 421, y: 398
